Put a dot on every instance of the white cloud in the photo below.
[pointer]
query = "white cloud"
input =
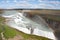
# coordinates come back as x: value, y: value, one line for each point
x: 27, y: 4
x: 50, y: 4
x: 40, y: 0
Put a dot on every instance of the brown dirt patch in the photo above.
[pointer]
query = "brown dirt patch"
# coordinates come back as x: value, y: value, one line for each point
x: 17, y: 37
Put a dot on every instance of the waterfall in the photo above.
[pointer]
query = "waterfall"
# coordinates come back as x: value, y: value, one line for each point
x: 35, y: 25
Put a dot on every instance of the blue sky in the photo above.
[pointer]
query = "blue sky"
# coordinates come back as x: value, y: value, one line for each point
x: 40, y: 4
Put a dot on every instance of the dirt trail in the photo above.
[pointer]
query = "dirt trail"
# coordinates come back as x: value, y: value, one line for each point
x: 17, y: 37
x: 3, y: 38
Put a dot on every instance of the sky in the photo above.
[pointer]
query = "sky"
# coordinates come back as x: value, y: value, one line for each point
x: 30, y: 4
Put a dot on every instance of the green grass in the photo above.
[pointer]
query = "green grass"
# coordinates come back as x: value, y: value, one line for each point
x: 11, y: 32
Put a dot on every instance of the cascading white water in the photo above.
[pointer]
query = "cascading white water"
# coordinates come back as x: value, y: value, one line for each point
x: 21, y: 23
